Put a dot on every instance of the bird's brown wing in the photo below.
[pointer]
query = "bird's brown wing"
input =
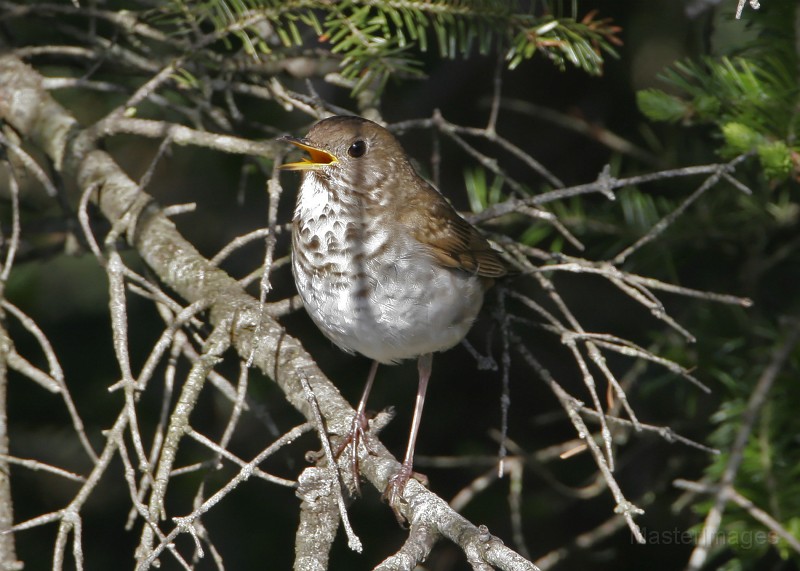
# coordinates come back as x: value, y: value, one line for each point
x: 453, y: 241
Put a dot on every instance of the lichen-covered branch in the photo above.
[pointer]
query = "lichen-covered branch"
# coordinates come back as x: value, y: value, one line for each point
x: 44, y: 123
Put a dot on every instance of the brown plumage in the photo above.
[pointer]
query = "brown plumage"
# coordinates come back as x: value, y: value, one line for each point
x: 385, y: 265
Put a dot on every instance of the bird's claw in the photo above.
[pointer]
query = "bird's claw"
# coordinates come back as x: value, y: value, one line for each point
x: 357, y: 435
x: 393, y: 494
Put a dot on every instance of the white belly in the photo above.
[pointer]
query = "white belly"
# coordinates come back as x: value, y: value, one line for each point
x: 399, y: 310
x: 373, y: 293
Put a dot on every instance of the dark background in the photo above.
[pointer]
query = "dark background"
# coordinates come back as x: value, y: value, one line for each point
x: 254, y: 527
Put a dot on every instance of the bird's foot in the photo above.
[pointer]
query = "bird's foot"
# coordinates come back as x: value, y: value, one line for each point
x: 357, y: 434
x: 393, y: 494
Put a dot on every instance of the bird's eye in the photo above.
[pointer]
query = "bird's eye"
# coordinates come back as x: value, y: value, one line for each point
x: 357, y: 149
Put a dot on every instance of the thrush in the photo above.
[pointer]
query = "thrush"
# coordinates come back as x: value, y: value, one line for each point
x: 384, y: 264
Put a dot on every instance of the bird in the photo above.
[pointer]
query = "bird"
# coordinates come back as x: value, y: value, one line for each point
x: 384, y: 264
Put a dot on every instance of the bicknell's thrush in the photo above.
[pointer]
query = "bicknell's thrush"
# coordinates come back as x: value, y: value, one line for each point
x: 384, y: 265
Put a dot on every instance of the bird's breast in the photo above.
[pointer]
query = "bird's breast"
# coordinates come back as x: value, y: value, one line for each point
x: 370, y: 286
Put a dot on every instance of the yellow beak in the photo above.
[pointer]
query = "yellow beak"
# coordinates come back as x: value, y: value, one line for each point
x: 319, y: 157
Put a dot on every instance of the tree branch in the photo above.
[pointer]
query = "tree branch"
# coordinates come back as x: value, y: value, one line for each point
x: 44, y: 123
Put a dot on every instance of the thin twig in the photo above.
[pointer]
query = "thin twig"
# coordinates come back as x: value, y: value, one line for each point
x: 754, y: 4
x: 353, y: 540
x: 755, y: 512
x: 571, y: 405
x: 36, y: 466
x: 713, y: 519
x: 184, y: 522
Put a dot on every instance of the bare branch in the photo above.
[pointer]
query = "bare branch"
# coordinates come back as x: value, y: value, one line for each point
x: 244, y: 474
x: 754, y: 4
x: 40, y: 466
x: 754, y: 404
x: 417, y: 547
x: 755, y: 512
x: 353, y: 541
x: 624, y: 507
x: 319, y: 520
x: 236, y: 316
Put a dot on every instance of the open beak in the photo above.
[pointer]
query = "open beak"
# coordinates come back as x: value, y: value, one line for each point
x: 319, y: 157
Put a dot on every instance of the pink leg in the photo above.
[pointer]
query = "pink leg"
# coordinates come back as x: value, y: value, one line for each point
x: 359, y: 426
x: 397, y: 483
x: 362, y: 404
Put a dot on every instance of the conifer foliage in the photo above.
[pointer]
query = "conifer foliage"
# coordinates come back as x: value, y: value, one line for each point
x: 166, y: 403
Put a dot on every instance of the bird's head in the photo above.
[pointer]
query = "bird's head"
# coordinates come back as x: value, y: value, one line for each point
x: 350, y: 151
